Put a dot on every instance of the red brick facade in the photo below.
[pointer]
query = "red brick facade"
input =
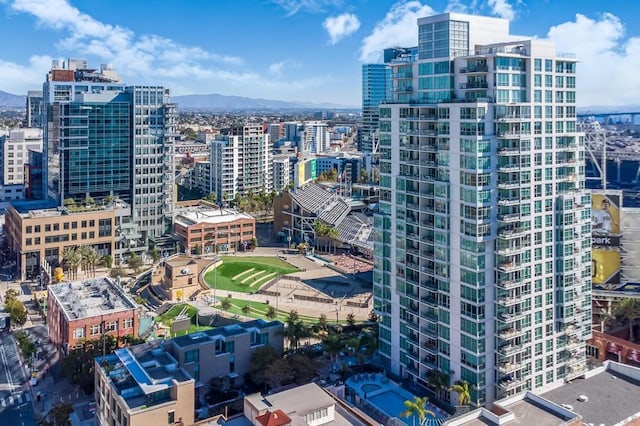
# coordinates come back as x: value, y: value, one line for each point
x: 615, y: 348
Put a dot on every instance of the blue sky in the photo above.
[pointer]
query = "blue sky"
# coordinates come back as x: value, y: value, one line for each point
x: 304, y: 50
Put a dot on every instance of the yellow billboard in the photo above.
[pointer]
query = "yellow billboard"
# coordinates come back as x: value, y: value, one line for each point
x: 605, y: 267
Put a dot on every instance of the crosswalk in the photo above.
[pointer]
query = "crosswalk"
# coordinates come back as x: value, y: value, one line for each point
x: 16, y: 398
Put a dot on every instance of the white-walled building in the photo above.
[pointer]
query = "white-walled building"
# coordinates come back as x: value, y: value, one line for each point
x: 281, y: 172
x: 316, y: 137
x: 14, y: 149
x: 483, y: 245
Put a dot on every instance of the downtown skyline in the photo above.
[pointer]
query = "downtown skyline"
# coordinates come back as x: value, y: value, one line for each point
x: 295, y: 50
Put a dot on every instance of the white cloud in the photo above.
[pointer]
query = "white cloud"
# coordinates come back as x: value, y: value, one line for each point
x: 276, y: 68
x: 341, y: 26
x: 147, y: 58
x: 399, y: 27
x: 313, y: 6
x: 456, y: 6
x: 502, y: 8
x: 608, y: 63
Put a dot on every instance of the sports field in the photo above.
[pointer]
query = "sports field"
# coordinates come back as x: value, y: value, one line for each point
x: 246, y: 274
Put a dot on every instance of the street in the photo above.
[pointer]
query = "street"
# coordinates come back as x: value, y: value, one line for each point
x: 16, y: 407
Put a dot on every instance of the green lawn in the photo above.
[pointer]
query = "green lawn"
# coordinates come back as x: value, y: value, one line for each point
x: 232, y: 266
x: 259, y: 310
x: 165, y: 319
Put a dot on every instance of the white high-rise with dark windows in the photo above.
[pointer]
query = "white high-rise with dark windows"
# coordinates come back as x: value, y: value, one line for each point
x: 483, y: 249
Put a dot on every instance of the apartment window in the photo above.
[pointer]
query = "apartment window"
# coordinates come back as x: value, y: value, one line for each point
x: 37, y: 229
x: 78, y: 333
x: 112, y: 326
x: 29, y: 229
x: 127, y: 323
x: 192, y: 355
x: 74, y: 225
x: 47, y: 227
x: 548, y: 65
x: 171, y: 417
x: 28, y: 241
x: 537, y: 64
x: 95, y: 329
x: 65, y: 225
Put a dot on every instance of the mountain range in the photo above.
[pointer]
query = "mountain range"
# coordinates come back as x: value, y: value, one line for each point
x: 11, y: 100
x: 216, y: 101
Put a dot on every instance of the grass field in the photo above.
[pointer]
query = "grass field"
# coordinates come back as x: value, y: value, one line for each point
x: 165, y: 319
x: 259, y: 310
x: 246, y: 274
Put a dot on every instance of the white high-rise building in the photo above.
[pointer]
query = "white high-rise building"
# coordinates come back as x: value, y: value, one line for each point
x: 483, y: 243
x: 316, y: 137
x: 241, y: 163
x: 281, y: 172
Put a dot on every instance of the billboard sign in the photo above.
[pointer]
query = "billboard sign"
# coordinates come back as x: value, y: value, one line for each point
x: 605, y: 240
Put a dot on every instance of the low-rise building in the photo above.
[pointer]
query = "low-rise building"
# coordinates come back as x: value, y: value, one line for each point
x: 159, y: 382
x: 79, y: 311
x: 177, y: 276
x: 203, y: 228
x: 34, y: 235
x: 303, y: 405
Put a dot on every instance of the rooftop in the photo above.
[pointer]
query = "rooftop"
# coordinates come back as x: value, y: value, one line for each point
x: 143, y: 374
x: 187, y: 216
x: 612, y: 391
x: 297, y: 403
x: 222, y: 332
x: 90, y: 298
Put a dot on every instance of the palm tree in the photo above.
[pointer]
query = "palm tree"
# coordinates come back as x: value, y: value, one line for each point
x: 629, y: 309
x: 295, y: 329
x: 72, y: 259
x: 439, y: 381
x: 321, y: 230
x: 90, y: 259
x: 416, y: 407
x: 461, y: 387
x: 333, y: 235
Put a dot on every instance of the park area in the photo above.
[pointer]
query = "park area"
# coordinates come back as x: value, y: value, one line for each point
x: 246, y: 274
x: 167, y: 318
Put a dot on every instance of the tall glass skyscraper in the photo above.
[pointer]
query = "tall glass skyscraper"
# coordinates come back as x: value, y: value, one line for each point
x: 482, y: 245
x: 104, y: 138
x: 376, y: 80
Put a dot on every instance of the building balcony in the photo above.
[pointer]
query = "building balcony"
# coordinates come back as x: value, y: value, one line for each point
x: 431, y: 348
x: 509, y: 217
x: 512, y: 300
x: 510, y: 350
x: 509, y: 168
x: 510, y: 384
x: 511, y: 317
x: 514, y: 184
x: 511, y: 333
x: 474, y: 69
x: 512, y: 250
x: 510, y: 367
x: 509, y: 151
x: 429, y: 316
x: 474, y: 85
x: 507, y: 234
x: 511, y: 118
x: 403, y: 89
x: 430, y: 332
x: 512, y: 134
x: 506, y: 202
x: 512, y: 266
x: 510, y: 284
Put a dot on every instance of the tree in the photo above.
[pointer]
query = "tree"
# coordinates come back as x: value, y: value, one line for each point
x: 416, y: 407
x: 134, y: 261
x: 246, y: 309
x: 333, y: 235
x: 90, y: 259
x: 225, y: 304
x: 629, y: 310
x: 108, y: 261
x: 439, y: 381
x: 89, y: 201
x: 190, y: 134
x: 72, y: 260
x: 304, y: 369
x: 351, y: 319
x: 254, y: 242
x: 212, y: 197
x: 155, y: 254
x: 69, y: 202
x: 15, y: 308
x: 79, y: 366
x: 373, y: 317
x: 279, y: 373
x: 364, y: 176
x: 294, y: 330
x: 461, y: 387
x: 333, y: 345
x: 271, y: 313
x: 260, y: 360
x: 323, y: 323
x: 58, y: 415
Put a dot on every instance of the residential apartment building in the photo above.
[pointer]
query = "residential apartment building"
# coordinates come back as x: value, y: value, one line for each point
x: 159, y: 382
x: 34, y: 235
x: 316, y: 137
x: 104, y: 138
x: 14, y: 151
x: 281, y: 172
x: 87, y: 310
x: 241, y: 162
x: 204, y: 229
x: 483, y: 245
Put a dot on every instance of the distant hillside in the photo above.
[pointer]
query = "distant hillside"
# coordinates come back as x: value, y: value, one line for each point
x: 11, y: 100
x: 215, y: 101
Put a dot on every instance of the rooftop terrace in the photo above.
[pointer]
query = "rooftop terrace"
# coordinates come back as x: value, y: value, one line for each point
x: 90, y: 298
x: 222, y: 332
x: 192, y: 215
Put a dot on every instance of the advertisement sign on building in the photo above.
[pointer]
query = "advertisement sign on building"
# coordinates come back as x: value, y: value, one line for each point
x: 605, y: 240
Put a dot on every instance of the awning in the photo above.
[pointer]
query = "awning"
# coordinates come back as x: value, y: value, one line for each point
x: 614, y: 348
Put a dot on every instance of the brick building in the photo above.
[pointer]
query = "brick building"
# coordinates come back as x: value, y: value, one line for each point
x: 202, y: 228
x: 78, y: 311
